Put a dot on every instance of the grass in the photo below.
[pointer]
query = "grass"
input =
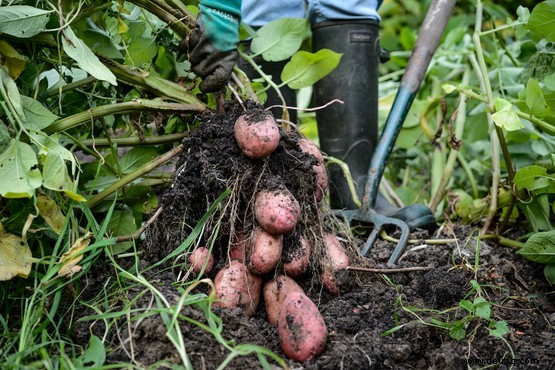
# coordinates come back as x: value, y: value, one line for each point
x: 40, y: 313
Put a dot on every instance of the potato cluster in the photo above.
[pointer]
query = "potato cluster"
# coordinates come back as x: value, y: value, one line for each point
x: 256, y: 268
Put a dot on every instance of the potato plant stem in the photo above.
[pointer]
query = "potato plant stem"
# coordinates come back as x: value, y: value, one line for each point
x: 135, y: 140
x: 453, y: 154
x: 135, y: 175
x: 164, y: 12
x: 268, y: 80
x: 137, y: 105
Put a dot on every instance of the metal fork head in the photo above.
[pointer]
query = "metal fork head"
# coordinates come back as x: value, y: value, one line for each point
x: 379, y: 222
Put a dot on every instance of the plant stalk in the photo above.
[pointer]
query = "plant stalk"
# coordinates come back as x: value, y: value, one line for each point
x: 137, y: 105
x: 135, y: 175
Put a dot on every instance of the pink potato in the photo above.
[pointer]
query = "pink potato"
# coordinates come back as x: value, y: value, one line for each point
x: 237, y: 247
x: 274, y: 293
x: 320, y: 170
x: 276, y: 211
x: 200, y: 257
x: 337, y: 256
x: 301, y: 327
x: 236, y: 287
x: 257, y: 134
x: 299, y: 259
x: 264, y: 251
x: 337, y: 259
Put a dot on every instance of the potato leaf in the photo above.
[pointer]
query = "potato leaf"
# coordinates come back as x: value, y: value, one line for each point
x: 280, y: 39
x: 15, y: 256
x: 542, y: 20
x: 77, y: 50
x: 51, y: 212
x: 549, y: 272
x: 505, y: 115
x: 540, y: 247
x: 19, y: 171
x: 37, y: 116
x: 22, y: 20
x: 14, y: 61
x: 535, y: 99
x: 305, y: 68
x: 526, y: 176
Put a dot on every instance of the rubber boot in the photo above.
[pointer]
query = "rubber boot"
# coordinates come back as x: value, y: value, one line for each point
x: 349, y: 131
x: 272, y: 69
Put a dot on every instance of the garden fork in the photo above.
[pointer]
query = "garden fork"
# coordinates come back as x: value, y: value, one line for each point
x: 426, y: 45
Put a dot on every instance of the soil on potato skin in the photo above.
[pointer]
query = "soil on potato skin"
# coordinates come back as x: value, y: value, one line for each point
x: 369, y: 303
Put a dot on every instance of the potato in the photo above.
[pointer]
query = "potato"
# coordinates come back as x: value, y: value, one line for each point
x: 264, y: 251
x: 337, y: 255
x: 237, y: 247
x: 236, y: 287
x: 257, y: 134
x: 299, y: 259
x: 275, y: 292
x: 199, y: 257
x: 329, y: 281
x: 320, y: 170
x: 336, y: 259
x: 276, y: 211
x: 301, y: 327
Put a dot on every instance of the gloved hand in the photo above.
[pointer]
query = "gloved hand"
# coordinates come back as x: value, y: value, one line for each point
x: 212, y: 46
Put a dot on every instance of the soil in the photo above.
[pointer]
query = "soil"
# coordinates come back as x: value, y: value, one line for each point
x: 402, y: 318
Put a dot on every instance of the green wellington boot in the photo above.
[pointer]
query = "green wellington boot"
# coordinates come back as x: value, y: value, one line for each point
x: 349, y: 131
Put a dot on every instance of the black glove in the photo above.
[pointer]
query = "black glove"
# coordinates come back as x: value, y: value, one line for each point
x: 212, y: 45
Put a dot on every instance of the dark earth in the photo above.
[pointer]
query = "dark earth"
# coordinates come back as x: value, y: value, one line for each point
x: 382, y: 319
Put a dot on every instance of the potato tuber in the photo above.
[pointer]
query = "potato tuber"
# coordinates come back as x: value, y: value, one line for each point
x: 257, y: 134
x: 301, y: 327
x: 276, y: 211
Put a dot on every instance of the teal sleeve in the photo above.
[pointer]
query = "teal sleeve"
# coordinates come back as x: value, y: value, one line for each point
x: 220, y: 22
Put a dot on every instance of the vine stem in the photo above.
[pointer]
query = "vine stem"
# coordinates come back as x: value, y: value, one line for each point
x: 453, y: 154
x: 135, y: 175
x: 137, y: 105
x: 268, y: 80
x: 534, y: 120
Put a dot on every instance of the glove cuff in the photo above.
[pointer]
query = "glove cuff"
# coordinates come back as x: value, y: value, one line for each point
x: 220, y: 21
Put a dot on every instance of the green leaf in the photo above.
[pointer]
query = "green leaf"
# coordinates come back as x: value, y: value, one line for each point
x: 305, y: 68
x: 137, y: 158
x: 535, y: 99
x: 549, y: 272
x: 526, y: 176
x: 498, y: 328
x: 467, y: 305
x: 537, y: 212
x: 4, y: 137
x: 94, y: 356
x: 7, y: 84
x: 482, y: 308
x: 280, y: 39
x: 77, y: 50
x: 122, y: 223
x: 19, y: 171
x: 37, y: 116
x: 549, y: 82
x: 542, y: 20
x: 457, y: 331
x: 141, y: 51
x: 540, y: 247
x: 505, y: 115
x: 22, y: 21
